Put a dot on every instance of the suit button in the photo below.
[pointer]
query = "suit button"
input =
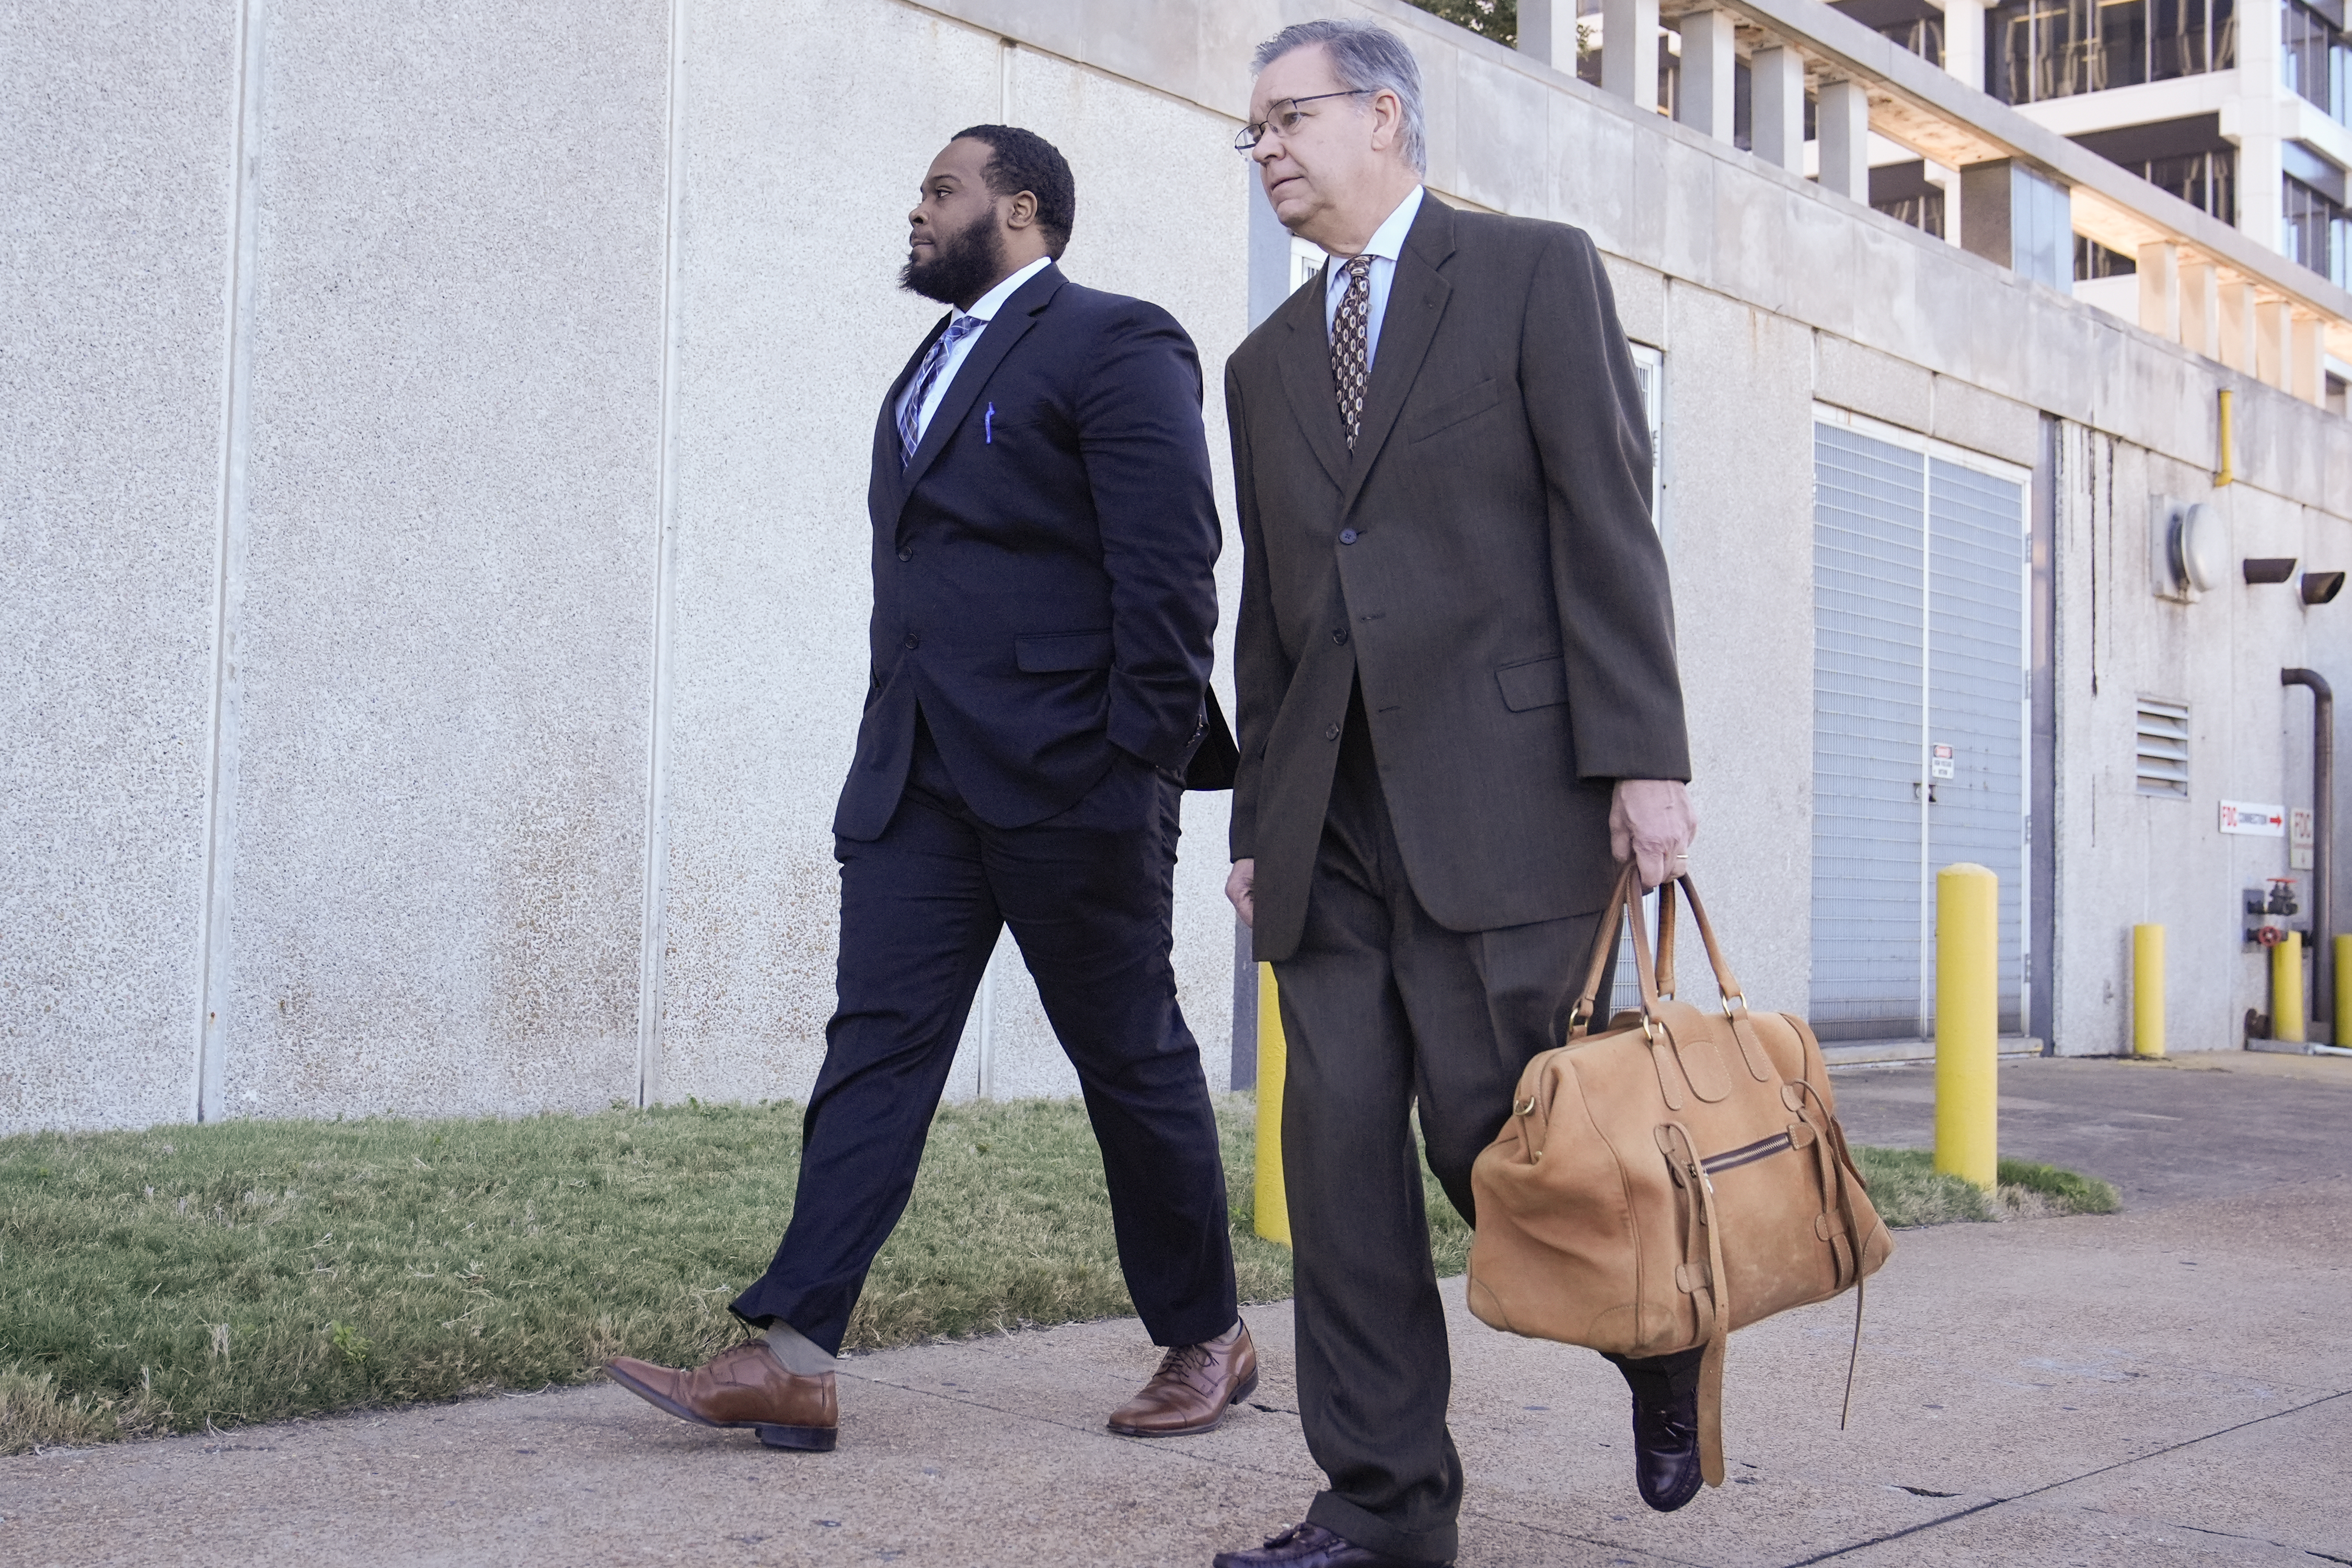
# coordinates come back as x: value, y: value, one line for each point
x: 1347, y: 536
x: 906, y: 552
x: 1331, y: 732
x: 913, y: 640
x: 1341, y: 635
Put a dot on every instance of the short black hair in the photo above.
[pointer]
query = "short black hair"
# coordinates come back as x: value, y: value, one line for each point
x: 1024, y: 161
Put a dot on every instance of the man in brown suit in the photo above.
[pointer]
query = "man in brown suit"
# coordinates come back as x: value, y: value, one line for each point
x: 1459, y: 713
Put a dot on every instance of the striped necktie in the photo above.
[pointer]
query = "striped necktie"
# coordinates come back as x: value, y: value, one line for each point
x: 911, y: 414
x: 1349, y: 367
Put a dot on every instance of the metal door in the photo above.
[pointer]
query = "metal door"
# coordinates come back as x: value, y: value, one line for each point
x: 1919, y: 721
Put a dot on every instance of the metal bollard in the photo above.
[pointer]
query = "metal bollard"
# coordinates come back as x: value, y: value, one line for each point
x: 1968, y: 1022
x: 2342, y: 999
x: 1272, y: 1199
x: 2286, y: 989
x: 2148, y: 991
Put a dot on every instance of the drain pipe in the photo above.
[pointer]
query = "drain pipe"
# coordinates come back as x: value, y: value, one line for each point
x: 2323, y: 845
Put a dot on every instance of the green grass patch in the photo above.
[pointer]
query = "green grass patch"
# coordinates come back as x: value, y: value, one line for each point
x: 156, y: 1281
x: 1907, y: 1191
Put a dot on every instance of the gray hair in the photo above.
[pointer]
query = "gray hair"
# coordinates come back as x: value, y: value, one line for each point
x: 1366, y: 57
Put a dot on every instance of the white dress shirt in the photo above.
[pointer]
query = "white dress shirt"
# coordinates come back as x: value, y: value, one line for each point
x: 985, y: 309
x: 1385, y: 245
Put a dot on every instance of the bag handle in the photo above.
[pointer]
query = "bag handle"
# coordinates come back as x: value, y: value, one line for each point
x: 1657, y: 974
x: 1605, y: 948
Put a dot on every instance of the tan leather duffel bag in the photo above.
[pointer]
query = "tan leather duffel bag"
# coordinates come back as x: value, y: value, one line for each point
x: 1679, y: 1176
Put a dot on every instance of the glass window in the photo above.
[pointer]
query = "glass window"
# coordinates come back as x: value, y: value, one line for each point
x: 2093, y: 260
x: 2315, y: 58
x: 2039, y: 49
x: 2317, y: 233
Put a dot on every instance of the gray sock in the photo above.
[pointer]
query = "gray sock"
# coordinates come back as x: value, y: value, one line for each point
x: 801, y: 1355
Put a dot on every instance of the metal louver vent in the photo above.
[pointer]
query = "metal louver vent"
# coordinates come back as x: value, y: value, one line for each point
x: 2163, y: 765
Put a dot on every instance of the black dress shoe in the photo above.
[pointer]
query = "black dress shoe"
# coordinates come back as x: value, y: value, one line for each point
x: 1666, y: 1427
x: 1312, y: 1546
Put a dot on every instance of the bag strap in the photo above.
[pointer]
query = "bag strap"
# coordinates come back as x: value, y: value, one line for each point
x: 1837, y: 1169
x: 1718, y: 1329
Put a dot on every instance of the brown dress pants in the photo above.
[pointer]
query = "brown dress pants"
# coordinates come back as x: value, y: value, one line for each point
x: 1383, y: 1009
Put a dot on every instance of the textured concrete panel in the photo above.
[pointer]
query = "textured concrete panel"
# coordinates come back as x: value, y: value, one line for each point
x: 1848, y: 376
x: 789, y: 348
x: 437, y: 894
x: 1982, y: 422
x: 1739, y: 445
x: 791, y: 329
x: 116, y: 212
x: 1641, y: 301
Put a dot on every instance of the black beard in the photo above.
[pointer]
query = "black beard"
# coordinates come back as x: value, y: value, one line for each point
x: 961, y: 268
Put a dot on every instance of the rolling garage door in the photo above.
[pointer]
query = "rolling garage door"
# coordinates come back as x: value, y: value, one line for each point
x: 1919, y: 717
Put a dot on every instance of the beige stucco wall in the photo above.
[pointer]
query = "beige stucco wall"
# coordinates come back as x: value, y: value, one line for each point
x: 548, y: 579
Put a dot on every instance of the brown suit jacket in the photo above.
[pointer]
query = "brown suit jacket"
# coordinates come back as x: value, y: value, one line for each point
x: 1484, y: 562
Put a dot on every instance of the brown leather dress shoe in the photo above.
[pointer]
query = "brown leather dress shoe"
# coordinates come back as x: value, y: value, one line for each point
x: 746, y: 1386
x: 1193, y: 1388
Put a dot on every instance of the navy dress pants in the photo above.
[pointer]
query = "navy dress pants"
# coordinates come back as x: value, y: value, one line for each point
x: 1087, y: 895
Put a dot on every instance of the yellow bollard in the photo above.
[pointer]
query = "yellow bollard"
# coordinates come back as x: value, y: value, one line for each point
x: 2343, y: 1005
x: 1273, y: 1201
x: 2286, y: 989
x: 1968, y: 1022
x: 2148, y: 991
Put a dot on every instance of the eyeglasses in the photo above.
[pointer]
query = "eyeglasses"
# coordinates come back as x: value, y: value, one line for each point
x: 1284, y: 116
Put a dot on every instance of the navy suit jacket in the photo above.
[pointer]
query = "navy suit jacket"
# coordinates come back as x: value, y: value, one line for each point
x: 1043, y: 568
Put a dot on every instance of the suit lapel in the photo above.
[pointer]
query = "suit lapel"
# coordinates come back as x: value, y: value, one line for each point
x: 1305, y: 355
x: 886, y: 487
x: 1011, y: 323
x: 1417, y: 297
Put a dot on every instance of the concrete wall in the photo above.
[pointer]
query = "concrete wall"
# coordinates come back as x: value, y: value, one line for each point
x: 115, y: 204
x: 521, y: 461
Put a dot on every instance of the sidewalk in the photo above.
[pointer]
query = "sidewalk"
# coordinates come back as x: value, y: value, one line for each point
x: 2169, y: 1386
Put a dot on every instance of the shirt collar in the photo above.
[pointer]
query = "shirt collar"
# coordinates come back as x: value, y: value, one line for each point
x: 1388, y: 240
x: 988, y: 304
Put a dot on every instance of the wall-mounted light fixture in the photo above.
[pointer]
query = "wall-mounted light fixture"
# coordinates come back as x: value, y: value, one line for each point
x: 2318, y: 587
x: 2188, y: 548
x: 2260, y: 569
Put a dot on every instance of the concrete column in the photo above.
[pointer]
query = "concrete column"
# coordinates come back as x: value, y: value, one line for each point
x: 2273, y: 343
x: 2309, y: 381
x: 1547, y: 32
x: 1709, y: 58
x: 2019, y: 219
x: 1948, y: 182
x: 1841, y: 114
x: 2237, y: 346
x: 1629, y: 50
x: 2261, y: 187
x: 1776, y: 79
x: 2159, y: 288
x: 2201, y: 308
x: 1964, y: 40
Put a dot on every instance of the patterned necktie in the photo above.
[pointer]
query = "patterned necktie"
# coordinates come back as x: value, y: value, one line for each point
x: 910, y: 414
x: 1349, y: 366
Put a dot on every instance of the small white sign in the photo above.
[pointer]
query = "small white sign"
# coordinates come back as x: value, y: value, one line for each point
x: 2260, y: 821
x: 1939, y: 762
x: 2302, y: 838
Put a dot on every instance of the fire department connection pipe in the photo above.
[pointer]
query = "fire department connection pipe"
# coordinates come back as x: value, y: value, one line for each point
x: 2323, y: 840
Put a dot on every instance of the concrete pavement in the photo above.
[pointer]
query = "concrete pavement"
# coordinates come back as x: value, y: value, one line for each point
x: 2169, y: 1385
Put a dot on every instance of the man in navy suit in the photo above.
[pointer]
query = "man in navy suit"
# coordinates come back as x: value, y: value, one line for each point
x: 1045, y: 539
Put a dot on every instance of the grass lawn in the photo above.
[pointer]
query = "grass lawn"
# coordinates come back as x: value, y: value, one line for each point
x: 156, y: 1281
